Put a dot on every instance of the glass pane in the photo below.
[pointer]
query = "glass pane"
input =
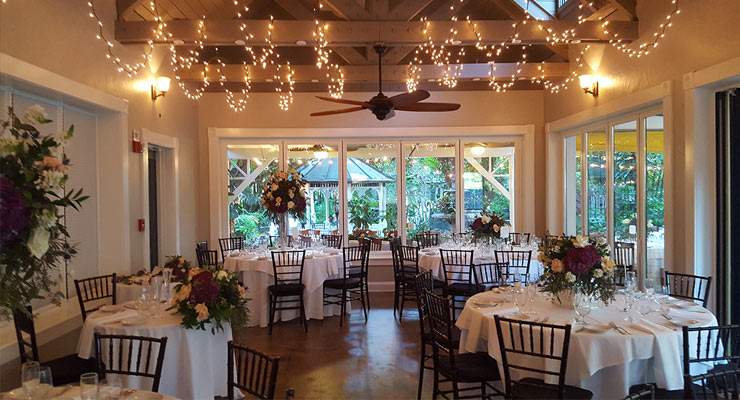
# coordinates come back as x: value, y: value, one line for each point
x: 430, y: 187
x: 573, y: 177
x: 597, y: 182
x: 654, y: 163
x: 625, y: 182
x: 320, y: 168
x: 488, y: 179
x: 372, y: 206
x: 249, y: 166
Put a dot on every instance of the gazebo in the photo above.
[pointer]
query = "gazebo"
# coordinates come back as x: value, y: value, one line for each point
x: 323, y: 175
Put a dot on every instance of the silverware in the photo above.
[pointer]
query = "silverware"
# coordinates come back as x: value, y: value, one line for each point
x: 618, y: 328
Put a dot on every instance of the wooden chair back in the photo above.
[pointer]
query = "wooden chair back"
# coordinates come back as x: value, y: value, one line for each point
x: 287, y: 266
x: 93, y: 290
x: 689, y: 287
x: 519, y: 239
x: 457, y: 265
x: 251, y: 371
x: 25, y: 332
x: 513, y: 261
x: 130, y: 355
x: 230, y: 244
x: 334, y: 241
x: 427, y: 239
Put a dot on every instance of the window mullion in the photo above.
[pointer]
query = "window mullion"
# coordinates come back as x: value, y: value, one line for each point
x: 584, y: 184
x: 459, y: 190
x: 641, y: 201
x: 609, y: 130
x: 401, y: 192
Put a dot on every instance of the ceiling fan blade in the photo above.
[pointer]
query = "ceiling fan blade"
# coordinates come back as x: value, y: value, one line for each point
x: 430, y: 107
x: 405, y: 99
x: 343, y: 101
x: 342, y: 111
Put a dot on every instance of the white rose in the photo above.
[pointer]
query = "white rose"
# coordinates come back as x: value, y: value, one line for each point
x: 598, y: 273
x: 570, y: 277
x: 35, y: 114
x: 580, y: 241
x: 485, y: 219
x: 38, y: 243
x: 221, y: 275
x: 601, y: 240
x: 48, y: 219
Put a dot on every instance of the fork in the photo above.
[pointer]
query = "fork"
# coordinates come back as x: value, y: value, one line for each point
x: 618, y: 328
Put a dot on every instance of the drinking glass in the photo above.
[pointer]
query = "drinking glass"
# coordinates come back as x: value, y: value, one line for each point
x: 630, y: 281
x: 30, y: 374
x: 629, y: 302
x: 582, y: 307
x: 89, y: 386
x: 114, y: 386
x: 650, y: 287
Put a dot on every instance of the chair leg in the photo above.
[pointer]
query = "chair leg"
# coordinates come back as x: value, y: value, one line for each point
x: 367, y: 293
x: 395, y: 298
x: 403, y: 302
x: 362, y: 299
x: 421, y: 370
x: 455, y: 390
x: 343, y: 307
x: 303, y: 315
x: 272, y: 314
x: 435, y: 388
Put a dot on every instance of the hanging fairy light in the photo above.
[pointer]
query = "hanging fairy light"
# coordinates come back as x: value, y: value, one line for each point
x: 186, y: 62
x: 284, y: 85
x: 237, y: 102
x: 334, y: 73
x: 644, y: 48
x: 413, y: 76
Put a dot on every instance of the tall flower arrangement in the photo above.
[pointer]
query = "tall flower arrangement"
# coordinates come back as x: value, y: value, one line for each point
x: 285, y: 192
x: 487, y: 226
x: 33, y: 238
x: 211, y: 296
x: 580, y: 265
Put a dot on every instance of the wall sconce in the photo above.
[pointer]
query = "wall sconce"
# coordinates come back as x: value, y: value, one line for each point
x: 589, y: 84
x: 159, y: 87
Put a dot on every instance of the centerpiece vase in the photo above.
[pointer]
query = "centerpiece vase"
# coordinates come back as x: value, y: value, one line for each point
x: 283, y: 230
x: 563, y: 298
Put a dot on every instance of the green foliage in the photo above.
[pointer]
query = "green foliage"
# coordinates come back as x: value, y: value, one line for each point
x: 363, y: 210
x: 251, y: 225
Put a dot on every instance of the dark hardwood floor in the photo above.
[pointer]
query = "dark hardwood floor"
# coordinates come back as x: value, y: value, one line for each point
x: 377, y: 360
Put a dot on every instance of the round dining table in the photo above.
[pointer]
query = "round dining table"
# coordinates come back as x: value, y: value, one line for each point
x: 610, y: 350
x: 194, y: 365
x: 256, y: 274
x: 431, y: 260
x: 75, y: 393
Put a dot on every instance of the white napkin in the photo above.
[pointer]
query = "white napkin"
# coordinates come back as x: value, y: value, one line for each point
x: 667, y: 352
x: 99, y: 319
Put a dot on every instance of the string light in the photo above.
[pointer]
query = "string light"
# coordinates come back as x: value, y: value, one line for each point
x: 238, y: 103
x: 334, y: 73
x: 284, y: 85
x: 644, y: 48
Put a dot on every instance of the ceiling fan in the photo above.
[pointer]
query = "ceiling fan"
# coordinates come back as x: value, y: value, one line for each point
x: 383, y: 106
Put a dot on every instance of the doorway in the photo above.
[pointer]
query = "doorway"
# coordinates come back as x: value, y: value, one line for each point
x: 152, y: 161
x: 728, y: 204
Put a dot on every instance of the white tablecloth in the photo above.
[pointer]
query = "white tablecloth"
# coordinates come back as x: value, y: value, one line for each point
x: 126, y: 292
x: 194, y: 363
x: 257, y: 275
x: 430, y: 260
x: 606, y: 363
x: 74, y: 393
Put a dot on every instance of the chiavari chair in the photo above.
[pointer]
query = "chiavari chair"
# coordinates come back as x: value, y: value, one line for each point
x: 624, y: 261
x: 519, y: 239
x: 203, y: 244
x: 351, y: 285
x: 689, y: 287
x: 513, y: 261
x: 252, y: 372
x: 65, y: 370
x: 427, y: 239
x: 457, y: 267
x: 287, y: 267
x: 274, y: 240
x: 333, y: 241
x: 641, y: 392
x: 477, y: 371
x: 94, y: 290
x: 230, y: 244
x: 207, y: 258
x: 540, y: 348
x: 130, y: 355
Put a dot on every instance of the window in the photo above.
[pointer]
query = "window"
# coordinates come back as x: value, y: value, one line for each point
x: 319, y: 165
x: 430, y: 187
x: 249, y: 166
x: 624, y: 143
x: 372, y: 204
x: 596, y: 162
x: 654, y: 195
x: 488, y: 180
x: 624, y: 181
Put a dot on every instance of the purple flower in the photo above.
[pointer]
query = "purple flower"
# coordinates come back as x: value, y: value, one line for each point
x: 14, y: 212
x: 580, y: 260
x: 205, y: 288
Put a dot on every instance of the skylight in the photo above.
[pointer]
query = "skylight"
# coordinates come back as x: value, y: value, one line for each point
x: 540, y: 9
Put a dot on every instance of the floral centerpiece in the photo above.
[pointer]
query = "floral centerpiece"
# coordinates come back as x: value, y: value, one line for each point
x: 487, y: 226
x: 33, y: 238
x: 210, y: 297
x: 285, y: 193
x: 179, y: 266
x: 140, y: 277
x: 578, y: 265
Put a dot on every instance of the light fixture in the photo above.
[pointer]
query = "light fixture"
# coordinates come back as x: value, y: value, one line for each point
x: 589, y: 84
x: 159, y: 86
x: 320, y: 155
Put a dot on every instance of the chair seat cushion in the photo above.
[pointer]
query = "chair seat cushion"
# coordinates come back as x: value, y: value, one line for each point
x: 470, y: 367
x: 349, y: 283
x: 464, y: 289
x: 286, y: 289
x: 67, y: 370
x: 428, y: 337
x: 532, y: 388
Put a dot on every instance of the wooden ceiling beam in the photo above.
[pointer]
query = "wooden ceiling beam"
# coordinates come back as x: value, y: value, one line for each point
x: 628, y: 6
x: 408, y: 10
x: 361, y: 33
x: 348, y: 9
x: 125, y: 7
x: 391, y: 73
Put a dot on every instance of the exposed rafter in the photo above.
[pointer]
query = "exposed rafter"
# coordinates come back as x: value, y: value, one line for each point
x: 369, y: 73
x: 362, y: 33
x: 628, y: 6
x: 348, y: 9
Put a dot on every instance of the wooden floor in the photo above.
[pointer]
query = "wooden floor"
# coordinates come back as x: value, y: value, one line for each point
x: 377, y: 360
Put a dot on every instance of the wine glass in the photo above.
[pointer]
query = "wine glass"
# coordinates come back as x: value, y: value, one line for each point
x: 630, y: 281
x: 30, y: 377
x: 46, y: 381
x: 89, y: 386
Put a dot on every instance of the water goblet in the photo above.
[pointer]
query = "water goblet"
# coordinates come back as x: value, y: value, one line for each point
x: 89, y: 386
x: 30, y: 377
x: 630, y: 281
x: 582, y: 307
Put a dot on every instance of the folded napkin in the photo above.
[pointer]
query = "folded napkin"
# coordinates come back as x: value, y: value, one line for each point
x: 667, y: 354
x: 100, y: 319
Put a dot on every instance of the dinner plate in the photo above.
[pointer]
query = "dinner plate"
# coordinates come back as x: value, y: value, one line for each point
x: 111, y: 308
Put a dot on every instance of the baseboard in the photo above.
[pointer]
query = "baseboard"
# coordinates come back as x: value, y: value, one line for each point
x: 386, y: 286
